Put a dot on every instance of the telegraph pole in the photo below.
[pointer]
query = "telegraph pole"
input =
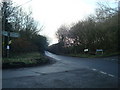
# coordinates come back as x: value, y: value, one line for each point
x: 5, y: 39
x: 0, y: 34
x: 118, y: 25
x: 3, y: 28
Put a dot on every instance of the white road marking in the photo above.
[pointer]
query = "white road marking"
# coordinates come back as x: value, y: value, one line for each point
x: 111, y: 75
x: 114, y: 59
x: 94, y: 69
x: 58, y: 59
x: 103, y: 72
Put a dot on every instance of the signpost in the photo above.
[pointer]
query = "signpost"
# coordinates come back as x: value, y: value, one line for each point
x: 9, y: 34
x: 12, y: 34
x: 5, y: 33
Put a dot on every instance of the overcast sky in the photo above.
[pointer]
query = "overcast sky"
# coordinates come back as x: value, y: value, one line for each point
x: 54, y: 13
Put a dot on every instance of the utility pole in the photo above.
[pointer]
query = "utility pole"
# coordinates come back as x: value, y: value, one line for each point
x: 3, y: 28
x: 0, y: 34
x: 118, y: 25
x: 5, y: 39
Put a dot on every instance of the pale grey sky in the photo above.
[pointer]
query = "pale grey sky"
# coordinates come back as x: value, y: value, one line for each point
x: 53, y: 13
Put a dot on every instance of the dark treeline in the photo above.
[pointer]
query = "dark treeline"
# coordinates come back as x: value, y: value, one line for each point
x: 15, y: 19
x: 99, y: 31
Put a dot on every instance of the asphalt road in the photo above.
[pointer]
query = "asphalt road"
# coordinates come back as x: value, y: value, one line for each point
x: 108, y: 65
x: 67, y: 72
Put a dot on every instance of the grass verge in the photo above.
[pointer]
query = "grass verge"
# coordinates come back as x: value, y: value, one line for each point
x: 94, y: 56
x: 24, y: 60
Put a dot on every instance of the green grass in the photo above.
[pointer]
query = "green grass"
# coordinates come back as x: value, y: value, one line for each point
x: 27, y: 58
x: 94, y: 56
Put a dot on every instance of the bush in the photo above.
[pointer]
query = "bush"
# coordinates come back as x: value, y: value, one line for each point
x: 21, y: 45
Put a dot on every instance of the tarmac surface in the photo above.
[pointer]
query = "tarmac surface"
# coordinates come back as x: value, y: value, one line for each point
x: 66, y: 72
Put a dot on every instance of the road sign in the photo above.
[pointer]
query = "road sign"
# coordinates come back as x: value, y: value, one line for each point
x: 5, y: 33
x: 99, y: 50
x: 8, y: 47
x: 13, y: 34
x: 85, y: 50
x: 8, y: 34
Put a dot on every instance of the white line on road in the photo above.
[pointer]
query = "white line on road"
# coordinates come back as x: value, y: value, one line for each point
x: 94, y: 69
x: 111, y: 75
x: 103, y: 72
x: 58, y: 59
